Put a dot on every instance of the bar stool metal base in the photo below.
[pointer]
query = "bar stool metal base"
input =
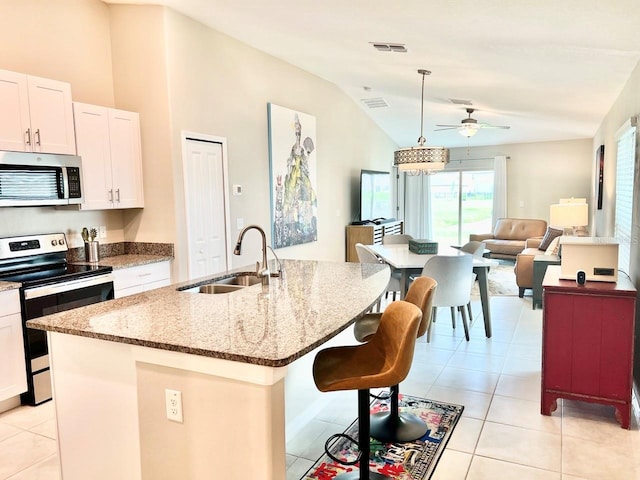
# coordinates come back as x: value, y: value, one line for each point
x: 394, y: 427
x: 388, y: 428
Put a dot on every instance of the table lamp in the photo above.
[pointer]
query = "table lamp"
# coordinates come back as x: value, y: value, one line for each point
x: 569, y: 215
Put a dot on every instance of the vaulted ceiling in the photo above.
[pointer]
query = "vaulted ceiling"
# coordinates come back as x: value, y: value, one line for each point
x: 550, y: 69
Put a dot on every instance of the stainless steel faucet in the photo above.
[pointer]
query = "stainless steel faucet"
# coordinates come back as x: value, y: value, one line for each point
x: 263, y: 273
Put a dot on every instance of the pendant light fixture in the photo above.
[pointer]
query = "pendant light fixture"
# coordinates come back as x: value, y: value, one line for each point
x: 427, y: 160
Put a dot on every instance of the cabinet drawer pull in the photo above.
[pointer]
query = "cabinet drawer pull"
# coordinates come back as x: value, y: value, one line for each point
x: 111, y: 195
x: 37, y: 137
x: 118, y: 195
x: 28, y: 136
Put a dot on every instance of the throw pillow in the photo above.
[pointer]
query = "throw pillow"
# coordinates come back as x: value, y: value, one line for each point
x: 553, y: 247
x: 549, y: 235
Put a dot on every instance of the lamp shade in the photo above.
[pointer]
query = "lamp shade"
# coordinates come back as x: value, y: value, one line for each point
x: 421, y: 158
x: 569, y: 215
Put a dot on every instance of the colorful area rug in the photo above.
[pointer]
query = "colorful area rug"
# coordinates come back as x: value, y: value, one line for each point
x: 402, y: 461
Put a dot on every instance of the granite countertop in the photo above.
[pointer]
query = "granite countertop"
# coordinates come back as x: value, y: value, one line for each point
x: 9, y: 286
x: 270, y: 326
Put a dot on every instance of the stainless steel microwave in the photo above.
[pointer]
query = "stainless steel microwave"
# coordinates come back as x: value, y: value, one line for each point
x: 37, y: 179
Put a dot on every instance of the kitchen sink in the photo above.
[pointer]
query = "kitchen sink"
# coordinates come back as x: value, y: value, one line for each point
x: 244, y: 279
x: 213, y: 288
x: 233, y: 283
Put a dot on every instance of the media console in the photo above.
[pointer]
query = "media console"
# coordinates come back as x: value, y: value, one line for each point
x: 369, y: 235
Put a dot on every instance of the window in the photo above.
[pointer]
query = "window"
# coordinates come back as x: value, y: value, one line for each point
x: 450, y: 205
x: 625, y: 161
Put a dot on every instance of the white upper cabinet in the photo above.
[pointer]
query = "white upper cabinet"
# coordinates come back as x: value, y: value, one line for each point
x: 35, y: 114
x: 108, y: 140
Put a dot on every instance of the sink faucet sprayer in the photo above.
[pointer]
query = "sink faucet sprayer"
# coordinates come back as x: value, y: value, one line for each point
x: 263, y: 272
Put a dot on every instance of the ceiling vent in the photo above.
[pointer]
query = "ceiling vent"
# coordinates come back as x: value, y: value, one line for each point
x: 377, y: 102
x: 390, y: 47
x: 457, y: 101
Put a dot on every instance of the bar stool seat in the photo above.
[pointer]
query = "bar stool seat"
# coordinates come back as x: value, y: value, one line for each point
x: 384, y: 361
x: 393, y: 426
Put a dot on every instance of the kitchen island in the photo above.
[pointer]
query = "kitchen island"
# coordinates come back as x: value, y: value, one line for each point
x: 226, y: 353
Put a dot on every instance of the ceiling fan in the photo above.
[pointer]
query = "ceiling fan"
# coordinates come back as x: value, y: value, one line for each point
x: 469, y: 126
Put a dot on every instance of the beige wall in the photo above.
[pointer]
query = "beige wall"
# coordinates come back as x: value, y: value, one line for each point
x: 539, y: 174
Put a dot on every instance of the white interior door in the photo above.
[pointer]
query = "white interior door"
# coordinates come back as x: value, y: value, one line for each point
x: 206, y: 207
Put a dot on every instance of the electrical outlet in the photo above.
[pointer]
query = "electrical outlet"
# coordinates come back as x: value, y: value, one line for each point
x: 102, y: 231
x: 173, y: 402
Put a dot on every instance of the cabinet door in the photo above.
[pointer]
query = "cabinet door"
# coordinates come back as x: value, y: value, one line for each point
x: 14, y: 112
x: 51, y: 116
x: 128, y: 281
x: 92, y: 140
x: 126, y: 159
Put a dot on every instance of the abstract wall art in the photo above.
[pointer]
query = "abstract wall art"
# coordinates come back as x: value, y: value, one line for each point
x: 293, y: 176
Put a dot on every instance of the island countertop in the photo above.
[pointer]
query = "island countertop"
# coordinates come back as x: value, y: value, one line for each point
x: 270, y: 326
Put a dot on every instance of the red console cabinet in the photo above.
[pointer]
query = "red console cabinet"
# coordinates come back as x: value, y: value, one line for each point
x: 587, y: 343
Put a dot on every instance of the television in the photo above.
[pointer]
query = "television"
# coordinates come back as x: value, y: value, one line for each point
x: 375, y: 195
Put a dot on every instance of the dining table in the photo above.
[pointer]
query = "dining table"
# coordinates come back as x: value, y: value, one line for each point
x: 409, y: 263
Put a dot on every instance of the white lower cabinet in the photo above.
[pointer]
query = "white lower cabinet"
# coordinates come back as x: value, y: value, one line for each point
x: 132, y: 280
x: 13, y: 376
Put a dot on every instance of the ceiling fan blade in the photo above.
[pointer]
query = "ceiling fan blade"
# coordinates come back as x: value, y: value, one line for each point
x: 448, y: 127
x: 486, y: 125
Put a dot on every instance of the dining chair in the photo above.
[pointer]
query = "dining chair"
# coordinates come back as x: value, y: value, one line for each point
x: 366, y: 255
x: 476, y: 249
x: 396, y: 239
x: 454, y: 275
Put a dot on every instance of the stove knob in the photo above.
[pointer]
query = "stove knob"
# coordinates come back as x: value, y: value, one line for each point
x: 61, y: 241
x: 54, y: 242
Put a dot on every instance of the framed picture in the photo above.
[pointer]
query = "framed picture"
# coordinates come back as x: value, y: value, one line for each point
x: 293, y: 177
x: 600, y: 175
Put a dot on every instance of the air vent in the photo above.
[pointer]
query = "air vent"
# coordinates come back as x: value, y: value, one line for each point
x: 390, y: 47
x: 457, y: 101
x: 377, y: 102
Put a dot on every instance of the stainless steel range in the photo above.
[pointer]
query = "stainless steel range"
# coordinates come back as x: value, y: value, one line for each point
x: 49, y: 285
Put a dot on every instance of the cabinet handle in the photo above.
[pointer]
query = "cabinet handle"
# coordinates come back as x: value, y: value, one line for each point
x: 111, y: 195
x: 37, y: 137
x: 28, y: 135
x: 118, y: 195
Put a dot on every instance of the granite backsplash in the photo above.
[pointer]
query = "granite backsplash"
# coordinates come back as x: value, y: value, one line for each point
x: 124, y: 248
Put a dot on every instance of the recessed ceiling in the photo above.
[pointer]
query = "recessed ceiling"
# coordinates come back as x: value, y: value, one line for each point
x: 550, y: 69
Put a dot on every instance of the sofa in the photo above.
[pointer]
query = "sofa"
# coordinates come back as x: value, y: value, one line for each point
x: 509, y: 236
x: 524, y: 267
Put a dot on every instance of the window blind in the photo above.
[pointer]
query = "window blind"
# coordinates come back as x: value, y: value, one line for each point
x: 625, y: 161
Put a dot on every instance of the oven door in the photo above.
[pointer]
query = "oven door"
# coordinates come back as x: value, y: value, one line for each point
x: 47, y: 299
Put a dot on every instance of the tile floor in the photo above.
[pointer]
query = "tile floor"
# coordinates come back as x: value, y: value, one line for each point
x: 500, y: 435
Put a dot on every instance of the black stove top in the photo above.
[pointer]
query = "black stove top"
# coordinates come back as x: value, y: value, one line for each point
x: 54, y: 274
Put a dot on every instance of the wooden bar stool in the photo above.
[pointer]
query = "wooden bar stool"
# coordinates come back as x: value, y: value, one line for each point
x: 393, y: 426
x: 385, y: 360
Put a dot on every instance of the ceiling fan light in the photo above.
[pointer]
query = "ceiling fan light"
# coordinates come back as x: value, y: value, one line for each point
x: 468, y: 130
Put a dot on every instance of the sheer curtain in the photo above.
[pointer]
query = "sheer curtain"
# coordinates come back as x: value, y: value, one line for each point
x: 499, y: 188
x: 417, y: 211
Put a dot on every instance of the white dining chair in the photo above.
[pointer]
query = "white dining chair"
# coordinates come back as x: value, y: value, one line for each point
x: 396, y: 239
x: 454, y: 275
x: 366, y: 255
